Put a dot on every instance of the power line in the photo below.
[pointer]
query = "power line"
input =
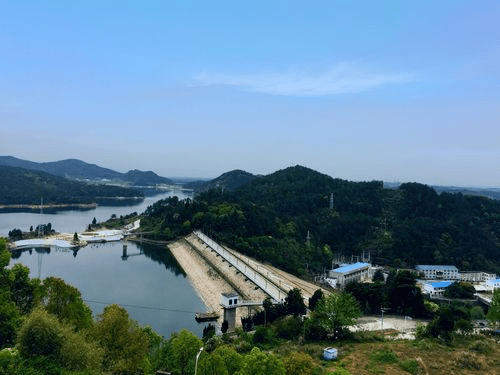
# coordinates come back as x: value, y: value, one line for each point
x: 142, y: 307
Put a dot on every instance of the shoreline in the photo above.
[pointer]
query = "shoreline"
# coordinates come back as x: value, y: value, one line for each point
x: 55, y: 205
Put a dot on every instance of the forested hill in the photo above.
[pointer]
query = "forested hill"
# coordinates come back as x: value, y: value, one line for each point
x: 227, y: 181
x: 273, y: 216
x: 21, y: 186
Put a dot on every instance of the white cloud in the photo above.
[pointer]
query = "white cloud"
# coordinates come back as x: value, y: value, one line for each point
x: 343, y: 78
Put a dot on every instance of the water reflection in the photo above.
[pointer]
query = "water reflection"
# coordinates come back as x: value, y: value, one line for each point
x: 150, y: 282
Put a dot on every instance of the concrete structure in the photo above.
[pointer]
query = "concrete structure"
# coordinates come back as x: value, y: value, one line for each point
x: 435, y: 289
x: 476, y: 276
x: 432, y: 272
x: 229, y: 302
x: 352, y: 272
x: 329, y: 354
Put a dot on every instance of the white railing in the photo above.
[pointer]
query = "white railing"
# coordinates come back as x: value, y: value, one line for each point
x: 267, y: 285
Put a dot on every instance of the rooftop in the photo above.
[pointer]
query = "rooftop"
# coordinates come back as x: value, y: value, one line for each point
x: 441, y: 284
x: 351, y: 267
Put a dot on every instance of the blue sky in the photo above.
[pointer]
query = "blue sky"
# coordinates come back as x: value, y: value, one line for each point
x: 391, y: 90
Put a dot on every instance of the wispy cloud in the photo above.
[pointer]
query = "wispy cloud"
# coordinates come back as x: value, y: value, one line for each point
x: 343, y: 78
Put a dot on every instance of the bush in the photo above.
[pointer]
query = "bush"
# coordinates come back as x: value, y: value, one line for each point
x: 299, y: 364
x: 264, y: 335
x: 481, y: 346
x: 410, y: 365
x: 289, y: 327
x: 340, y: 371
x: 385, y: 356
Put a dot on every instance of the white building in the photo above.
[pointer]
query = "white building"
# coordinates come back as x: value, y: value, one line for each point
x: 476, y: 276
x: 352, y: 272
x: 435, y: 289
x: 432, y: 272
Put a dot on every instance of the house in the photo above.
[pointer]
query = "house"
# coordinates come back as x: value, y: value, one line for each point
x: 352, y: 272
x: 432, y: 272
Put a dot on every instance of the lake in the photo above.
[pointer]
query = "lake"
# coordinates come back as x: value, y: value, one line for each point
x: 149, y: 283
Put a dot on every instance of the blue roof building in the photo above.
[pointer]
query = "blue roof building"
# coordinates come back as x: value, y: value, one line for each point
x: 436, y: 288
x: 351, y: 272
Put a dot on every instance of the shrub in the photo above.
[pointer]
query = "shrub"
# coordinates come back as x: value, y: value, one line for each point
x: 264, y: 335
x: 410, y: 365
x: 384, y: 356
x: 481, y: 346
x: 289, y: 327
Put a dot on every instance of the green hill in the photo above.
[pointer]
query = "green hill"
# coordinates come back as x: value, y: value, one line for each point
x: 285, y: 218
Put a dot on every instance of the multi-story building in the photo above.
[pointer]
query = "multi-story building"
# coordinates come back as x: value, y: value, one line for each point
x: 476, y: 276
x: 432, y: 272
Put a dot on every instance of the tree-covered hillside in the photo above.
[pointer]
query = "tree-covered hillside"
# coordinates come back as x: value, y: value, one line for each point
x: 286, y: 218
x: 21, y: 186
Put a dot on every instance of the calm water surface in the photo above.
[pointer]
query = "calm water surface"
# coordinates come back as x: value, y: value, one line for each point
x: 149, y: 283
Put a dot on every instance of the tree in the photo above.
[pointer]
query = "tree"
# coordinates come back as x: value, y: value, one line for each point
x: 493, y: 314
x: 257, y: 362
x: 10, y: 320
x: 294, y: 303
x: 42, y: 334
x: 297, y: 363
x: 124, y: 342
x: 313, y: 301
x: 76, y: 240
x: 404, y: 294
x: 451, y: 318
x: 460, y: 290
x: 335, y: 312
x: 25, y: 292
x: 185, y: 347
x: 378, y: 276
x: 65, y: 302
x: 94, y: 222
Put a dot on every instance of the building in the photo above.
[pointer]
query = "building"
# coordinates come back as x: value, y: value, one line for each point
x: 493, y: 284
x: 435, y: 289
x: 352, y: 272
x: 476, y: 276
x: 432, y: 272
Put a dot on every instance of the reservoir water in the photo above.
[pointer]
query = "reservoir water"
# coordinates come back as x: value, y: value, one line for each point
x: 148, y: 283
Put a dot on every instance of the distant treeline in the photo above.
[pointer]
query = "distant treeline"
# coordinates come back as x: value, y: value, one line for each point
x: 290, y: 219
x: 21, y: 186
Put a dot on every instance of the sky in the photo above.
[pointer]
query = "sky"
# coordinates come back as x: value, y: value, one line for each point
x: 398, y: 91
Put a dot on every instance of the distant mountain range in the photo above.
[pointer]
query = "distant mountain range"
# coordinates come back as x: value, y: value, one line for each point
x: 77, y: 169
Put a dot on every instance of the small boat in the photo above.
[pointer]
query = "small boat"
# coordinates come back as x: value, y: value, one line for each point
x: 206, y: 316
